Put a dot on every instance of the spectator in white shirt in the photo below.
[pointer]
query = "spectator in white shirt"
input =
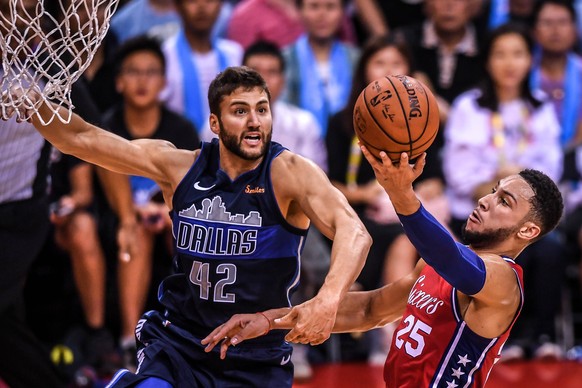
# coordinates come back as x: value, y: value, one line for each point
x: 194, y: 58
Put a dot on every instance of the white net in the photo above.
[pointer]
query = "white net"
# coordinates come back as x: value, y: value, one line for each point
x: 46, y: 45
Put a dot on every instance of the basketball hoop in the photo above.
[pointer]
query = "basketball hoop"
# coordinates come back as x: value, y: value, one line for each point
x: 47, y: 50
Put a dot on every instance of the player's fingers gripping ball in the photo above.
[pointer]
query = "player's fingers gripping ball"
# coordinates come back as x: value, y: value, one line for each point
x: 396, y: 114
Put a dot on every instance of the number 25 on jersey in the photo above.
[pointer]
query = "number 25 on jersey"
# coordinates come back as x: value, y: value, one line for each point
x: 412, y: 336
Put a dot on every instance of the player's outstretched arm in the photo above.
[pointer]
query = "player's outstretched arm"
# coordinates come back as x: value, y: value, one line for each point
x: 397, y: 179
x: 242, y: 327
x: 365, y: 310
x: 358, y: 311
x: 457, y: 264
x: 489, y: 280
x: 311, y: 194
x: 154, y: 159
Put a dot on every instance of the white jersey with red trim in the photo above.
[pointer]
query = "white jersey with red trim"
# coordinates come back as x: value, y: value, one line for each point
x: 433, y: 346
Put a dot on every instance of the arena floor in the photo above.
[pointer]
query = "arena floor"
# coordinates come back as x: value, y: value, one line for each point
x: 513, y: 375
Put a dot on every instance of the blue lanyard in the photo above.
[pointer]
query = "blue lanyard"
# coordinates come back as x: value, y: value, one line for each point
x: 571, y: 102
x: 499, y: 13
x: 193, y: 96
x: 312, y: 95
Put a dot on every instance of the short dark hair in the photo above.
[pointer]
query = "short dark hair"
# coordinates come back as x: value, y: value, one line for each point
x: 547, y: 204
x: 264, y: 47
x: 567, y: 4
x: 138, y: 44
x: 231, y: 79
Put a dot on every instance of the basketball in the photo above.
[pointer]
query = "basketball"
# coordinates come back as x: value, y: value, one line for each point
x: 396, y: 114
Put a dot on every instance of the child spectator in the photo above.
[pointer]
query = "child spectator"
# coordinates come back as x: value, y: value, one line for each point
x: 140, y: 79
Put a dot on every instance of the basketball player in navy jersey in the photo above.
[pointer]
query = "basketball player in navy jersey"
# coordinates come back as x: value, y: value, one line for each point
x: 241, y: 207
x: 460, y: 302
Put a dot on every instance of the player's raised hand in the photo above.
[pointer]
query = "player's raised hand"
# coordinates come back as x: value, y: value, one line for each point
x: 20, y: 102
x: 397, y: 178
x: 237, y: 329
x: 395, y: 175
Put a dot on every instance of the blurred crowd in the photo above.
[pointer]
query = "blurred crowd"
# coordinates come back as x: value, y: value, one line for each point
x: 507, y: 75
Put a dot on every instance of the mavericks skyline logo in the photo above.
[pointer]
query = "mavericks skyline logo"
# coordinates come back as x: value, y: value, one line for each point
x: 217, y: 240
x: 215, y: 210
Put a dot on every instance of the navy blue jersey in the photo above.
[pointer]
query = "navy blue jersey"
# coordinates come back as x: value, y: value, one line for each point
x: 236, y: 253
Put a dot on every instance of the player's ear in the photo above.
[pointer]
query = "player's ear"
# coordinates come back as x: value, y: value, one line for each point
x: 529, y: 231
x: 214, y: 127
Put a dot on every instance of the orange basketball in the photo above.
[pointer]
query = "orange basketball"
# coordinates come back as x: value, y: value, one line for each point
x: 396, y: 114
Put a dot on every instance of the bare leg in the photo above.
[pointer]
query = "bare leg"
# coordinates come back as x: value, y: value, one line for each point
x: 79, y: 237
x: 134, y: 280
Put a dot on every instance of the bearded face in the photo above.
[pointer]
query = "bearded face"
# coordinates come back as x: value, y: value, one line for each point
x: 487, y: 237
x: 234, y: 143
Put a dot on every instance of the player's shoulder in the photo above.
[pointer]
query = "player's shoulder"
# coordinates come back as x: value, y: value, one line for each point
x: 292, y: 161
x: 502, y: 288
x: 166, y: 155
x: 494, y: 257
x: 293, y: 171
x: 288, y: 162
x: 497, y: 264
